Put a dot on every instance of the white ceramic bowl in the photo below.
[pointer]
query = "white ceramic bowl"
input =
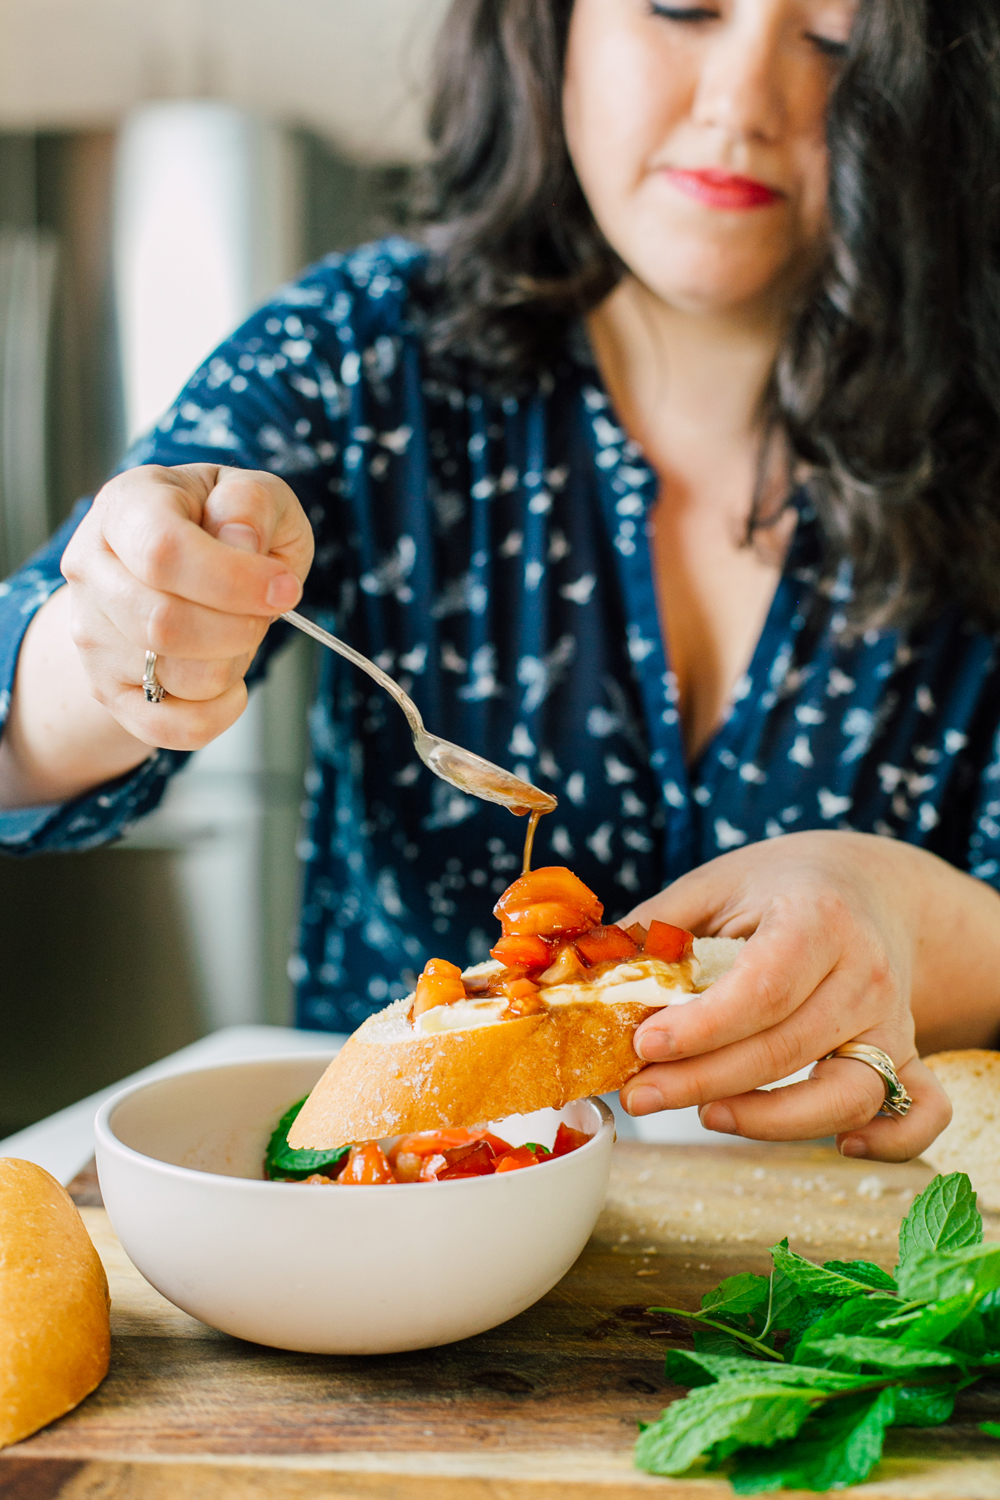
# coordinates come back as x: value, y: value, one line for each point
x: 333, y: 1270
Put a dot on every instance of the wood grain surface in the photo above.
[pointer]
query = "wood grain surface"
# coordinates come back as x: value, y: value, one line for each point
x: 542, y: 1408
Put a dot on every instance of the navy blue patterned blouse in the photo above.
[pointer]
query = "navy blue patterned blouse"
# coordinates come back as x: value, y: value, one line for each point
x: 492, y: 555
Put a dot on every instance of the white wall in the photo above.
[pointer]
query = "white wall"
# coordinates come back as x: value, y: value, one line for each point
x: 353, y: 70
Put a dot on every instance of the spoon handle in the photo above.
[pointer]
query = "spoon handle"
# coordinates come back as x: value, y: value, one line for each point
x: 382, y: 678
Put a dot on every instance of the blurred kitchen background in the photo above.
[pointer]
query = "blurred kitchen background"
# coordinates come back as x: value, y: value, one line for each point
x: 163, y: 165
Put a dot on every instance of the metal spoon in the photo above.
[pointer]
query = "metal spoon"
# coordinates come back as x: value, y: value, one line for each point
x: 460, y: 768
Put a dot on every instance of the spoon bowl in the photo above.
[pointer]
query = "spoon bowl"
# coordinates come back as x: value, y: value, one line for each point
x: 463, y: 769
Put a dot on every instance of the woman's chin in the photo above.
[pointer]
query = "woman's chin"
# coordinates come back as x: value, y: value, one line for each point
x: 716, y: 291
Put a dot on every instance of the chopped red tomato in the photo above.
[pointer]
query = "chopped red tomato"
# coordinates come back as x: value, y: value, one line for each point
x: 513, y: 1161
x: 548, y: 902
x: 432, y: 1142
x: 568, y: 1140
x: 555, y: 919
x: 447, y: 1156
x: 366, y: 1165
x: 672, y: 944
x: 518, y: 988
x: 478, y: 1160
x: 523, y: 951
x: 440, y: 984
x: 603, y: 945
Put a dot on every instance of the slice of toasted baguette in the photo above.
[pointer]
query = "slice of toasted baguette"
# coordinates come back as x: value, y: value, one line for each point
x: 969, y: 1144
x: 389, y: 1078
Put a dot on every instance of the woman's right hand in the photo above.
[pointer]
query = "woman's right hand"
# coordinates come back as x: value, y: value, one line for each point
x: 193, y: 563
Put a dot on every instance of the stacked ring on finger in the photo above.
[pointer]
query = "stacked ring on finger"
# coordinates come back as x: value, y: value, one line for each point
x: 897, y: 1100
x: 151, y: 684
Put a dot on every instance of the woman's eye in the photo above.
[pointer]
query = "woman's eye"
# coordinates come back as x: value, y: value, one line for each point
x: 828, y: 46
x: 688, y: 13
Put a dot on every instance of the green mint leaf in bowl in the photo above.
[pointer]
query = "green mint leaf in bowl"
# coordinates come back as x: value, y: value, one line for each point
x: 281, y: 1163
x: 991, y: 1429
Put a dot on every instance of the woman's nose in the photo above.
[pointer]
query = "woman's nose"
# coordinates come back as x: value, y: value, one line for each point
x: 739, y: 91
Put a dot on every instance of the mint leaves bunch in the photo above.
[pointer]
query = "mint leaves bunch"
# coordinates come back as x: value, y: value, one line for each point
x: 796, y: 1376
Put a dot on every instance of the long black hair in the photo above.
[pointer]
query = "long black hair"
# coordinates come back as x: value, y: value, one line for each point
x: 888, y: 384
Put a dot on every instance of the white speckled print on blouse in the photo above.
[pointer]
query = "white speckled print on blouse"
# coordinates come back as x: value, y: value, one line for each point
x: 491, y: 554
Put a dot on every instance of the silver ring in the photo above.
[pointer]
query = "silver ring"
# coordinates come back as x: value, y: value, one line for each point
x: 151, y: 684
x: 897, y: 1100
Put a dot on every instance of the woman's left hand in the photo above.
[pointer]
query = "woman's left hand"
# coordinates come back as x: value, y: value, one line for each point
x: 840, y: 935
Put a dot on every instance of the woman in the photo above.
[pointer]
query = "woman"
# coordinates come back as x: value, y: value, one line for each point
x: 665, y: 470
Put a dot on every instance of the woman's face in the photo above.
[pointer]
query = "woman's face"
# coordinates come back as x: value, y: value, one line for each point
x: 698, y: 136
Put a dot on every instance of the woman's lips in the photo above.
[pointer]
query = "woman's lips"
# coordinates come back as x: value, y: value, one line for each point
x: 722, y: 189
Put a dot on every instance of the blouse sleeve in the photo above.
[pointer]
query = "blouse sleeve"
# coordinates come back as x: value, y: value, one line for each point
x: 984, y: 844
x: 277, y: 396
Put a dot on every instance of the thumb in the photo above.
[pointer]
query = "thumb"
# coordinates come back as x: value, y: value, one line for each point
x: 237, y: 534
x: 253, y: 511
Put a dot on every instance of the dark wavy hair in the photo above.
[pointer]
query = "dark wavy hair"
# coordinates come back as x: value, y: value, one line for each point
x: 888, y: 384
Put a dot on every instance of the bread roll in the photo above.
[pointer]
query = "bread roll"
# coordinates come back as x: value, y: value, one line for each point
x: 390, y: 1078
x: 55, y: 1336
x: 971, y: 1143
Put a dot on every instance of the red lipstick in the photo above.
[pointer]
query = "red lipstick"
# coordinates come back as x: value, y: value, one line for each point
x: 722, y: 189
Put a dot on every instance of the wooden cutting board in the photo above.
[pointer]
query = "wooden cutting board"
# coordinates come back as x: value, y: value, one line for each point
x: 543, y: 1408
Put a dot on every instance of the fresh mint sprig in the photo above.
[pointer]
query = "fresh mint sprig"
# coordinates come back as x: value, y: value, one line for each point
x: 796, y: 1377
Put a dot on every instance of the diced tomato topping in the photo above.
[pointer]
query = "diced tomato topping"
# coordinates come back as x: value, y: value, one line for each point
x: 431, y: 1142
x: 548, y: 902
x: 440, y: 984
x: 568, y: 1140
x: 672, y: 944
x: 604, y: 945
x: 446, y: 1156
x: 555, y: 919
x: 524, y: 951
x: 468, y: 1161
x: 566, y: 968
x: 521, y: 1156
x: 366, y: 1165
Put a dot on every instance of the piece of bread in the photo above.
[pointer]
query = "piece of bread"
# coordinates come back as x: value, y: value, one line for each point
x: 390, y: 1078
x: 971, y: 1143
x: 55, y: 1335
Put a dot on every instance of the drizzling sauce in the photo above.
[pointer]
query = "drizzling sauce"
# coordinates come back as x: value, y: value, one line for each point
x: 529, y: 838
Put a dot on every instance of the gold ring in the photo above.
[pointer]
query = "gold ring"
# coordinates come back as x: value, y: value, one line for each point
x: 897, y: 1100
x: 151, y: 684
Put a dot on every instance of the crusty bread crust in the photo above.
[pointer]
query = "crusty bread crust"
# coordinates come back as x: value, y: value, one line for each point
x: 969, y: 1144
x: 55, y: 1337
x: 389, y: 1079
